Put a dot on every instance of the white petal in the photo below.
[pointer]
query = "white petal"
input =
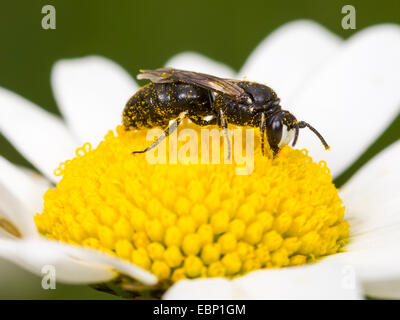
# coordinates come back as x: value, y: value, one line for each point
x: 37, y: 178
x: 39, y: 136
x: 201, y: 289
x: 372, y: 195
x: 5, y: 234
x: 375, y: 254
x: 195, y: 62
x: 91, y: 93
x: 375, y: 258
x: 105, y: 260
x: 311, y: 282
x: 307, y: 282
x: 15, y: 212
x: 354, y: 98
x: 34, y: 255
x: 72, y: 264
x: 25, y: 188
x: 287, y: 58
x: 372, y: 199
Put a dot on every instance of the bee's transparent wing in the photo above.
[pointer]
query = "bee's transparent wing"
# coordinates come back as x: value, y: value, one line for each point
x: 224, y: 86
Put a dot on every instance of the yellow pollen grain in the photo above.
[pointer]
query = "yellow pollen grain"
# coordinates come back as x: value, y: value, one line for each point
x: 216, y: 269
x: 173, y: 257
x: 187, y: 221
x: 211, y: 253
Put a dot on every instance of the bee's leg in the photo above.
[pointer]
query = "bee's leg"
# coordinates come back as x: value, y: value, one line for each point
x: 224, y: 125
x: 171, y: 128
x: 220, y: 120
x: 262, y: 127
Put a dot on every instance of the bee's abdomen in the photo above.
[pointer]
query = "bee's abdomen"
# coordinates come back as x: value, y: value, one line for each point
x: 142, y: 109
x: 155, y: 104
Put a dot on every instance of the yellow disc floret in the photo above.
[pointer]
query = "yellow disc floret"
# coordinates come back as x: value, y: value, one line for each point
x: 195, y: 220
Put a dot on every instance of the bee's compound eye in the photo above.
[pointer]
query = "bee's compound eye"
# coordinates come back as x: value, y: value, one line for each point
x: 274, y: 132
x: 287, y: 135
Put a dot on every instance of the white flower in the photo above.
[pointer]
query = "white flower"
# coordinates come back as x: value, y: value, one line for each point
x: 346, y: 89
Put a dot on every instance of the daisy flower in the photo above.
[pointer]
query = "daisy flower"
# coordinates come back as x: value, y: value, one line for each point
x: 195, y: 232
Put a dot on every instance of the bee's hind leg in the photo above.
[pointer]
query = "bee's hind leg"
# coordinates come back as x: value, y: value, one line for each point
x: 171, y: 128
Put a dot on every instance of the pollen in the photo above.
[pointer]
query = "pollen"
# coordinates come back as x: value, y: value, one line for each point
x: 188, y: 220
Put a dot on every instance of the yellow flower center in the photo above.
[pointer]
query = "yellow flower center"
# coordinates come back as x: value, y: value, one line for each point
x: 195, y: 220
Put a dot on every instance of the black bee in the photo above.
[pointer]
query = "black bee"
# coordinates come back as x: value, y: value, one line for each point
x: 208, y: 100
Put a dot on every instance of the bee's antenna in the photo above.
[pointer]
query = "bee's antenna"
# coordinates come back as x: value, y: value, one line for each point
x: 303, y: 124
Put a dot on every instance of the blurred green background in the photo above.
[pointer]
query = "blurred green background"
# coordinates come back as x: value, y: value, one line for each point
x: 145, y: 34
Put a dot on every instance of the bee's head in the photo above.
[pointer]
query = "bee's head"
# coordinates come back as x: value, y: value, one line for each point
x: 283, y: 127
